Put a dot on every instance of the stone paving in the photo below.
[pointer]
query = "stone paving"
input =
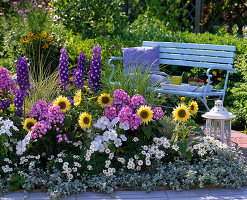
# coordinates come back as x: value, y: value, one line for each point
x: 194, y: 194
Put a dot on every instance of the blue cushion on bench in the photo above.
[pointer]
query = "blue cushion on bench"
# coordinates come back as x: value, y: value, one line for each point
x: 144, y: 57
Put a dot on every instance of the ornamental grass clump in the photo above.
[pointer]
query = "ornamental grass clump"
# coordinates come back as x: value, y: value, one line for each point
x: 95, y: 69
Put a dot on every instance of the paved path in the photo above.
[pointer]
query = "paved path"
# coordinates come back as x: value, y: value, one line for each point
x: 194, y: 194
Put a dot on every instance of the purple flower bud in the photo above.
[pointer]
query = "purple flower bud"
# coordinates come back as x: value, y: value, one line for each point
x: 82, y: 63
x: 78, y: 78
x: 64, y: 69
x: 95, y: 69
x: 23, y: 74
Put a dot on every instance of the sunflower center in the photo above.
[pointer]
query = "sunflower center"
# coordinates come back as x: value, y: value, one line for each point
x: 144, y: 114
x: 192, y: 107
x: 105, y: 100
x: 86, y: 120
x: 62, y: 105
x: 30, y: 125
x: 181, y: 113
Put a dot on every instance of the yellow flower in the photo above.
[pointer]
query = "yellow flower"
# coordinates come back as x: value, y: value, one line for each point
x: 219, y: 79
x: 193, y: 107
x: 77, y: 98
x: 63, y: 103
x: 182, y: 98
x: 145, y: 113
x: 181, y: 113
x: 45, y: 46
x: 214, y: 73
x: 105, y: 99
x: 28, y: 123
x: 85, y: 120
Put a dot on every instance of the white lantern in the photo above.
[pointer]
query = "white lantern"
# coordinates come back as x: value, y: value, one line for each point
x: 218, y: 123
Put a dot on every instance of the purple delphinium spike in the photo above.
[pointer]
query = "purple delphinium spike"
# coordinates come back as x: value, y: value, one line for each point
x: 4, y: 105
x: 82, y: 63
x: 78, y: 78
x: 64, y: 69
x: 19, y: 100
x: 95, y: 69
x: 23, y: 74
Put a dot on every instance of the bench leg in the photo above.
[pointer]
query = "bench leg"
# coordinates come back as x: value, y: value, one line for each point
x: 205, y: 104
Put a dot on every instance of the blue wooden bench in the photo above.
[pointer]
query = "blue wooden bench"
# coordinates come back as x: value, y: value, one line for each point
x: 206, y: 56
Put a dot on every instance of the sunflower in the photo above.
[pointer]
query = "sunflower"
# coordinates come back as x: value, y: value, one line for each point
x: 28, y: 123
x: 77, y: 98
x: 104, y: 99
x: 182, y: 98
x: 85, y: 120
x: 193, y: 107
x: 63, y: 103
x: 181, y: 113
x: 145, y: 113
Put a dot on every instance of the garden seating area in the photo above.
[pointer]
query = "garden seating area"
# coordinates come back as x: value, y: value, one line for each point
x: 88, y: 103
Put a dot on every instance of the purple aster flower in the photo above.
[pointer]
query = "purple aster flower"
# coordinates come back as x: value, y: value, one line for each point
x: 39, y: 109
x: 125, y: 114
x: 78, y: 78
x: 135, y: 121
x: 39, y: 129
x: 95, y: 69
x: 64, y: 69
x: 4, y: 105
x: 82, y: 63
x: 15, y: 3
x: 23, y: 74
x: 6, y: 82
x: 110, y: 112
x: 121, y: 98
x: 18, y: 102
x: 55, y: 116
x: 158, y: 113
x: 136, y: 101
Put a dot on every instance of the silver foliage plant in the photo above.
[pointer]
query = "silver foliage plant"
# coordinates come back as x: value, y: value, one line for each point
x: 225, y: 169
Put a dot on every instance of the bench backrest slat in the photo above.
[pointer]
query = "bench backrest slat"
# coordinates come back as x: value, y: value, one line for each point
x: 191, y: 46
x: 196, y: 58
x: 195, y: 64
x: 194, y: 55
x: 224, y: 54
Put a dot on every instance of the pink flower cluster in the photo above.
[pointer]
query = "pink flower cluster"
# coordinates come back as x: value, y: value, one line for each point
x: 51, y: 117
x: 158, y: 113
x: 6, y: 82
x: 61, y: 138
x: 126, y: 115
x: 55, y: 117
x: 121, y: 98
x: 110, y: 112
x: 125, y: 108
x: 38, y: 130
x: 39, y: 110
x: 137, y: 101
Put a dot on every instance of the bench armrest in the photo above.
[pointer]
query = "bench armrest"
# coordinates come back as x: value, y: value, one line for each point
x: 112, y: 65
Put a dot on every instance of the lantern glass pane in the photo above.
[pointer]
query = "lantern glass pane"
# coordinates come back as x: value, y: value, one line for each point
x: 216, y: 128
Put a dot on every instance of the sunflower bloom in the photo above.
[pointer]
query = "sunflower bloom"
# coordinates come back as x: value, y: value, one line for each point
x: 182, y: 98
x: 85, y: 120
x: 181, y: 113
x: 193, y: 107
x: 63, y: 103
x: 77, y: 98
x: 145, y: 113
x: 104, y: 99
x: 28, y: 124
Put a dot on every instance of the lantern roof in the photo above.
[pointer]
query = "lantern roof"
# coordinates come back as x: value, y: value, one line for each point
x: 218, y: 112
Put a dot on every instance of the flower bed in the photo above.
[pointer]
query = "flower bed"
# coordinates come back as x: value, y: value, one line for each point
x: 87, y: 138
